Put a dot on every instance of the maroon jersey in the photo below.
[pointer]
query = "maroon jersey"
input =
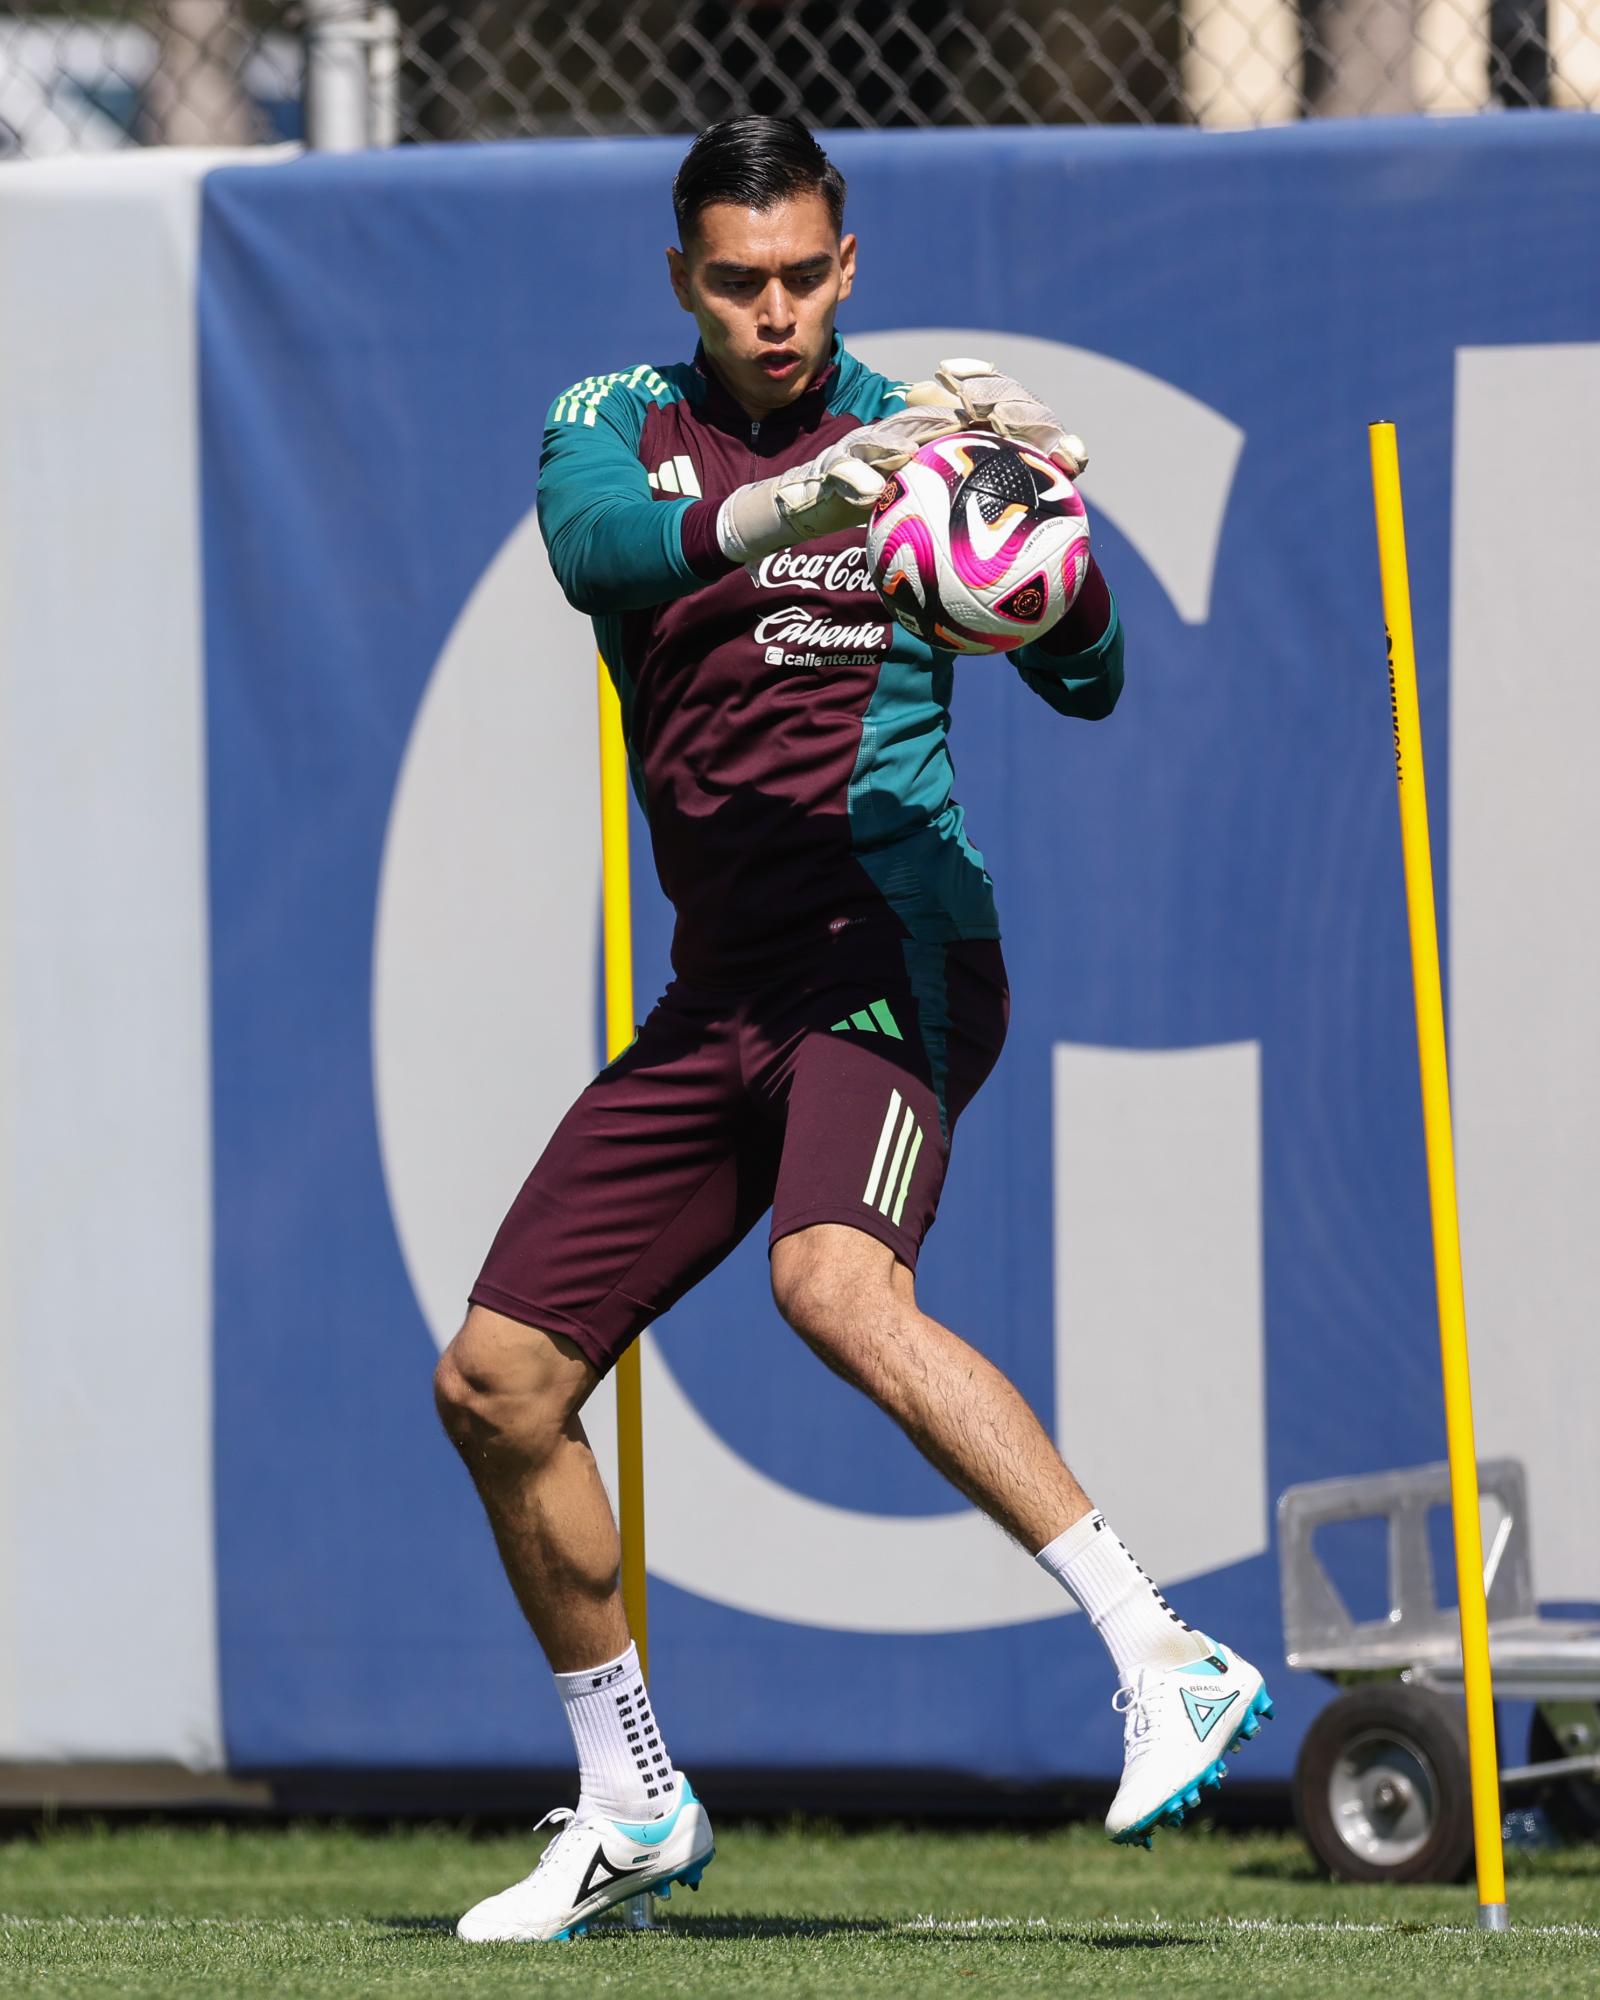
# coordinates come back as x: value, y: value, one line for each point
x: 786, y: 736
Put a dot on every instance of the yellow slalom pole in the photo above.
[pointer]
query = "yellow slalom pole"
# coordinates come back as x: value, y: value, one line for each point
x: 617, y: 935
x: 1441, y: 1177
x: 617, y: 927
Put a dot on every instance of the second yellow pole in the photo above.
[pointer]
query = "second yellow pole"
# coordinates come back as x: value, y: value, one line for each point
x: 617, y: 934
x: 1418, y: 853
x: 616, y: 926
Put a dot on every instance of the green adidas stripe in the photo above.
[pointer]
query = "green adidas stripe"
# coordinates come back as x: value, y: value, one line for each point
x: 886, y: 1020
x: 905, y: 1183
x: 870, y: 1193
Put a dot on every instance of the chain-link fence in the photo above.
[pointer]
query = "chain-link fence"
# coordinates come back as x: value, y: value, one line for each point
x: 128, y: 72
x: 175, y: 72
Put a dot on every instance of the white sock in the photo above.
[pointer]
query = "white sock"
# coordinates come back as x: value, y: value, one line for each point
x: 624, y: 1771
x: 1139, y: 1627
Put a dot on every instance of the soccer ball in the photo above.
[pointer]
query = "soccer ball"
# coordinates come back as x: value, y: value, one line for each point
x: 978, y: 544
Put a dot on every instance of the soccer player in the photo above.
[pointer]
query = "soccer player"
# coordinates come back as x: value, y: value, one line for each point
x: 839, y: 995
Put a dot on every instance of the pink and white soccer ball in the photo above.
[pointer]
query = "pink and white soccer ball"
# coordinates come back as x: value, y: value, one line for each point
x: 978, y: 545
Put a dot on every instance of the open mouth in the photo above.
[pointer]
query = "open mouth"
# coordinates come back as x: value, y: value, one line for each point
x: 779, y: 364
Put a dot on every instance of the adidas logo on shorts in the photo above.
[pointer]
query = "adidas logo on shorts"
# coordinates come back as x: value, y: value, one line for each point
x: 875, y: 1019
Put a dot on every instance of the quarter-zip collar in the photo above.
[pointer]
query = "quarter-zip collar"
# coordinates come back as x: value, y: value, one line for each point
x: 777, y: 430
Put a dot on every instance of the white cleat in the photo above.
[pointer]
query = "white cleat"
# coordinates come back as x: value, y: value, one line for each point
x: 1180, y: 1724
x: 592, y: 1863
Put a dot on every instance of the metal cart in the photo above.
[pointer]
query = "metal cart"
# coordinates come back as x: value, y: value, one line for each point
x: 1381, y: 1788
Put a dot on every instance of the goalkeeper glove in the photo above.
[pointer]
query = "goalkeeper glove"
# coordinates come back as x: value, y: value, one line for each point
x: 990, y: 401
x: 831, y: 492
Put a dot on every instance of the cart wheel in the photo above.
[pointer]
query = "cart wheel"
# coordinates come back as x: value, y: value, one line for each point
x: 1382, y: 1789
x: 1573, y: 1804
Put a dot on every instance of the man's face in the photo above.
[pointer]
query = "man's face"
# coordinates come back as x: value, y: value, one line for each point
x: 763, y: 286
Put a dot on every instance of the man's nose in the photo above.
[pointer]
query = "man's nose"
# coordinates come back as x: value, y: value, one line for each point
x: 775, y: 313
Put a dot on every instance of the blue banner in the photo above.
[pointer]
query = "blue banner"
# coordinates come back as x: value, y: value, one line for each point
x: 1188, y: 1214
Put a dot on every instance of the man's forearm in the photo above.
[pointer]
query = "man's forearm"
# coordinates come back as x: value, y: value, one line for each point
x: 1077, y: 665
x: 625, y: 554
x: 1085, y: 619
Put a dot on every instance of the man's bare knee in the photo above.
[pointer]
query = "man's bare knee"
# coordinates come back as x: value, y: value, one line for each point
x: 505, y: 1391
x: 833, y: 1286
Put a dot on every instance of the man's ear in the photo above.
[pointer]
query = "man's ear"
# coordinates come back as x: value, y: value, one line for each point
x: 847, y: 266
x: 678, y: 271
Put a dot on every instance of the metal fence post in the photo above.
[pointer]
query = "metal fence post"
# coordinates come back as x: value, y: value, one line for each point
x: 352, y: 73
x: 383, y: 78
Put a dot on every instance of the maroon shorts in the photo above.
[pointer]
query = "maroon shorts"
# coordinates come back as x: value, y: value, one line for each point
x: 826, y: 1099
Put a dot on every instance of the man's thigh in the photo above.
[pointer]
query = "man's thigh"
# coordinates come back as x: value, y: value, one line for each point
x: 876, y: 1071
x: 653, y: 1176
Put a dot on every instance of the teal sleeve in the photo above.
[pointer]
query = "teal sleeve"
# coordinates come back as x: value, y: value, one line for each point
x: 1084, y: 684
x: 613, y: 545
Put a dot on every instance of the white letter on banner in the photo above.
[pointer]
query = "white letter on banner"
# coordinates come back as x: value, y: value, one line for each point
x: 1525, y: 924
x: 1159, y: 1293
x: 477, y: 1055
x: 1167, y: 480
x: 484, y: 1000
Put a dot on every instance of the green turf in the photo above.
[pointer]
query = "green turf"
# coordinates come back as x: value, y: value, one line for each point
x: 801, y: 1911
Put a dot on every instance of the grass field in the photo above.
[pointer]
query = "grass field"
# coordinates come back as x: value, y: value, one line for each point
x: 798, y: 1911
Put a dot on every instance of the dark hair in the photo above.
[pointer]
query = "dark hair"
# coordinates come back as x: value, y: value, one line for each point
x: 755, y: 162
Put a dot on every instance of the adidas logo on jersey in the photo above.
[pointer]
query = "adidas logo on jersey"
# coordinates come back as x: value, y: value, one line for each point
x: 676, y: 475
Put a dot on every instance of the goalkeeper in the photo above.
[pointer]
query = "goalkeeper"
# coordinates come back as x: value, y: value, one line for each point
x: 839, y: 995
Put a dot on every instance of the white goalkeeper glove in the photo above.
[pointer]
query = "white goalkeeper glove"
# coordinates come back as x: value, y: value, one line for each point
x: 831, y: 492
x: 990, y: 401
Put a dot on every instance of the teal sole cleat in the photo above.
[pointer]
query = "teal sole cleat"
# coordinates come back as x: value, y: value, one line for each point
x: 1171, y: 1811
x: 689, y: 1877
